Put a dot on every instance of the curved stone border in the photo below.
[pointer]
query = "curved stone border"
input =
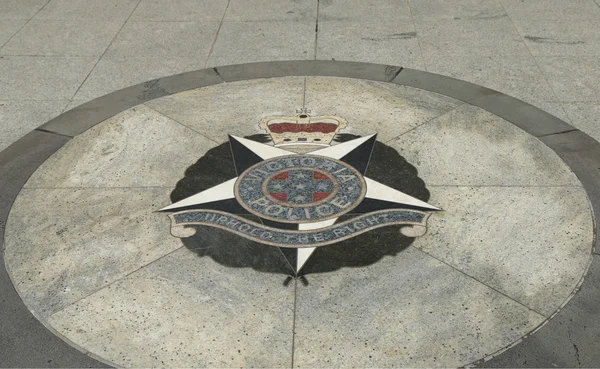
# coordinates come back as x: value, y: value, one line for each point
x: 579, y: 151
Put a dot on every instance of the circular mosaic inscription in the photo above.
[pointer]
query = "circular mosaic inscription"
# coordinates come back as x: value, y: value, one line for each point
x: 300, y: 189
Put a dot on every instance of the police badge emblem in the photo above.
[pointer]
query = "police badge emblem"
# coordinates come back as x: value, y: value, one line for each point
x: 299, y: 188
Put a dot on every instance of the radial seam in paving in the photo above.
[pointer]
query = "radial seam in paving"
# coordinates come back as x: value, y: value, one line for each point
x: 424, y: 123
x: 477, y: 280
x: 184, y: 125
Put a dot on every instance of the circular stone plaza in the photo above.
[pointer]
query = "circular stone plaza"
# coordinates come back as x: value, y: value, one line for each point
x: 276, y: 183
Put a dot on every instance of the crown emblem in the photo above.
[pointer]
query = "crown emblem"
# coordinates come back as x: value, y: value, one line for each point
x: 303, y: 129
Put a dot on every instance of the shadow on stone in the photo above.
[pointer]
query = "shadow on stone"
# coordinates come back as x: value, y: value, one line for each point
x: 386, y: 166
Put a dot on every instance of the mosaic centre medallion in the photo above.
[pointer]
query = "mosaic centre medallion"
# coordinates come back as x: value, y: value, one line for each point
x: 305, y: 191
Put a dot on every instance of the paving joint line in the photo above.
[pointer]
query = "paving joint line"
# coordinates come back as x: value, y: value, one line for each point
x: 110, y: 284
x: 304, y: 94
x: 424, y: 123
x: 412, y: 18
x: 317, y: 30
x: 395, y: 74
x: 25, y: 24
x: 212, y: 46
x: 476, y: 280
x: 104, y: 53
x: 176, y: 121
x: 52, y: 132
x: 533, y: 57
x: 294, y: 321
x: 558, y: 133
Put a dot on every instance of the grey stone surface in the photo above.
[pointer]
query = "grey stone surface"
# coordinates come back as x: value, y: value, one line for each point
x: 137, y: 148
x: 533, y: 244
x: 93, y: 112
x: 179, y: 10
x: 39, y: 78
x: 374, y: 107
x: 393, y: 43
x: 271, y: 10
x: 525, y: 116
x: 81, y: 240
x: 105, y: 10
x: 515, y: 75
x: 115, y: 73
x: 269, y: 38
x: 233, y: 108
x: 582, y: 154
x: 20, y: 9
x: 569, y: 340
x: 26, y: 343
x: 458, y: 89
x: 545, y: 38
x: 18, y: 162
x: 19, y: 117
x: 8, y: 28
x: 357, y: 10
x: 219, y: 61
x: 573, y: 78
x: 376, y: 72
x: 164, y: 39
x: 440, y: 9
x: 585, y: 117
x: 469, y: 146
x: 186, y: 311
x: 492, y: 35
x: 72, y: 105
x: 62, y: 38
x: 551, y: 10
x: 383, y: 315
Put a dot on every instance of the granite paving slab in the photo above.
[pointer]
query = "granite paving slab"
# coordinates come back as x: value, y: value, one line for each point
x: 137, y: 148
x: 440, y: 9
x: 470, y: 146
x: 573, y: 78
x: 293, y: 38
x: 488, y: 35
x: 408, y: 310
x: 393, y: 42
x: 271, y: 10
x: 179, y: 10
x: 165, y: 39
x: 21, y: 116
x: 375, y: 107
x: 233, y: 108
x: 516, y: 75
x: 20, y: 9
x: 27, y: 77
x: 8, y: 28
x: 569, y: 340
x: 105, y: 10
x: 533, y: 244
x: 62, y: 38
x: 186, y: 311
x: 585, y: 117
x: 80, y: 240
x: 545, y: 38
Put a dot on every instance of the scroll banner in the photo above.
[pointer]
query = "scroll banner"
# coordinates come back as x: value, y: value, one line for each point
x: 298, y: 239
